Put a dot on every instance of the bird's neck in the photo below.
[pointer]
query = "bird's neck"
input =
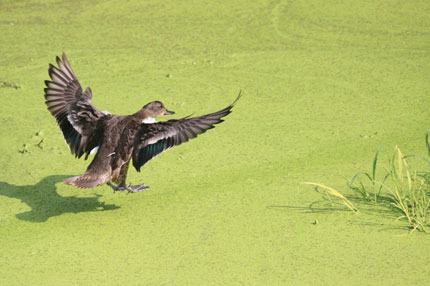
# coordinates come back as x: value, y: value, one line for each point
x: 141, y: 115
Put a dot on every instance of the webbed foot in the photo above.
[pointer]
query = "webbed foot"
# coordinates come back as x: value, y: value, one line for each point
x: 136, y: 188
x: 131, y: 189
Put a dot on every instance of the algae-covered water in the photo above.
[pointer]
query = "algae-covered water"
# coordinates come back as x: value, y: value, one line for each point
x: 324, y: 84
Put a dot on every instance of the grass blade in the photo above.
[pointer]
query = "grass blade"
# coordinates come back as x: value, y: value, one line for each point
x: 427, y: 143
x: 375, y: 160
x: 334, y: 193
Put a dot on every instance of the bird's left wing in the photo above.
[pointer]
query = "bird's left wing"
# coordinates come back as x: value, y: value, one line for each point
x: 152, y: 139
x: 79, y: 120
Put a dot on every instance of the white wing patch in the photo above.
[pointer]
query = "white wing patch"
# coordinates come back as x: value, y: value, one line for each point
x: 149, y: 120
x: 94, y: 150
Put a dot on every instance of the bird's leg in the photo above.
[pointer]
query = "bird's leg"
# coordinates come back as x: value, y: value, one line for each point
x: 120, y: 187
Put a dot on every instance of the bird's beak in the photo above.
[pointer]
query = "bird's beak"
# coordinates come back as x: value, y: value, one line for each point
x: 168, y: 112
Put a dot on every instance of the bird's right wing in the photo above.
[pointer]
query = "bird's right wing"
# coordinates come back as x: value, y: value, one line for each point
x: 79, y: 120
x: 152, y: 139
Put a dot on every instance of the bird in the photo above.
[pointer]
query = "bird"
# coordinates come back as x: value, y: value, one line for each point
x: 118, y: 139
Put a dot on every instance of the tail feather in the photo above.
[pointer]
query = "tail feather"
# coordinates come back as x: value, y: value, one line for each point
x: 86, y: 181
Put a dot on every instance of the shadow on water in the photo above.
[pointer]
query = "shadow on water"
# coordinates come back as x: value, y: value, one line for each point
x: 383, y: 208
x: 45, y: 202
x: 327, y: 207
x: 313, y: 207
x: 374, y: 213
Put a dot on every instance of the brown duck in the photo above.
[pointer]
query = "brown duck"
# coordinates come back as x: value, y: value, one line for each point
x: 119, y: 138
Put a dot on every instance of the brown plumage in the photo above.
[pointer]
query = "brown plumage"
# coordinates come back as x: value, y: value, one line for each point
x: 119, y: 138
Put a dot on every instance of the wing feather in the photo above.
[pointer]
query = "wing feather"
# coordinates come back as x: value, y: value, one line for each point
x: 153, y: 139
x: 77, y: 118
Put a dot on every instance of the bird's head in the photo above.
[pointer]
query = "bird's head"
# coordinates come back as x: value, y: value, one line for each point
x: 152, y: 110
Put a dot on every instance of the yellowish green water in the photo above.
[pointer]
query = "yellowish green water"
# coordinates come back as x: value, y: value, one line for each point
x: 324, y: 84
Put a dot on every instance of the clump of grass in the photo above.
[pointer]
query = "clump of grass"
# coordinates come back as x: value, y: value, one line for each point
x: 410, y: 193
x: 38, y: 140
x: 368, y: 188
x: 24, y: 149
x: 40, y: 145
x: 9, y: 84
x: 399, y: 188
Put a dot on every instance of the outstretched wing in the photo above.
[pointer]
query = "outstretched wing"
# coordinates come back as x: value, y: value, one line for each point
x: 152, y: 139
x: 77, y: 118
